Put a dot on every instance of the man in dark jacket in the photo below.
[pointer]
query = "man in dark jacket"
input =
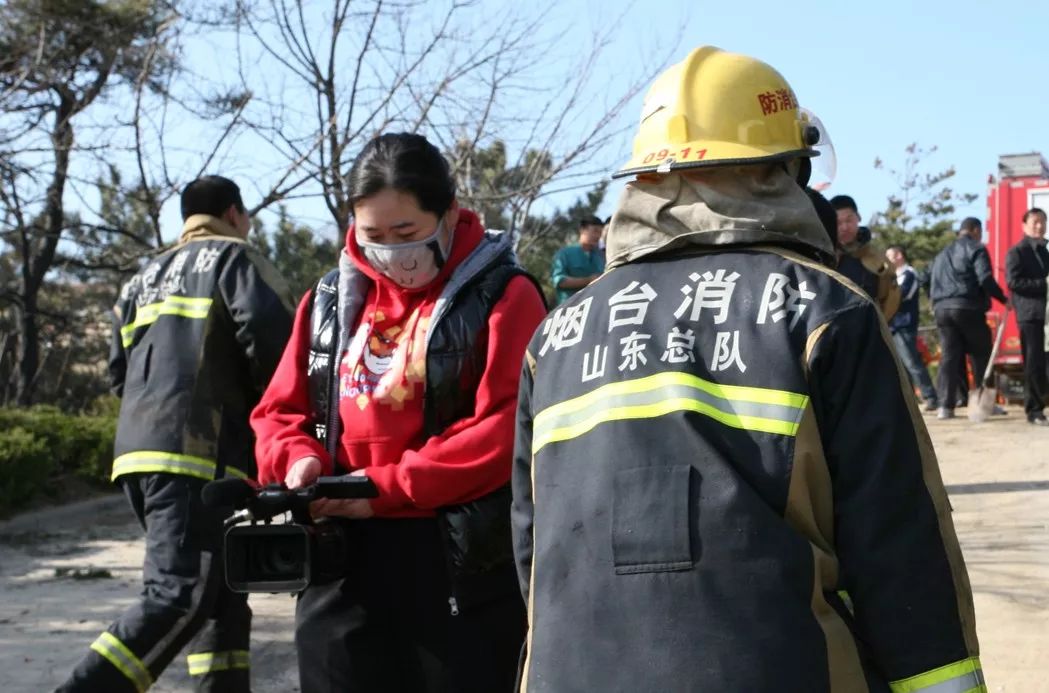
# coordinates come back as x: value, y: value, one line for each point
x: 1026, y: 266
x: 196, y: 336
x: 714, y: 439
x: 860, y: 261
x: 961, y: 289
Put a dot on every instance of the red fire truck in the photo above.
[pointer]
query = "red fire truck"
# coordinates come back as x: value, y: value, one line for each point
x: 1022, y: 182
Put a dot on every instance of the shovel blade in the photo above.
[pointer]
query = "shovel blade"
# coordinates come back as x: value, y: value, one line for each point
x: 981, y: 403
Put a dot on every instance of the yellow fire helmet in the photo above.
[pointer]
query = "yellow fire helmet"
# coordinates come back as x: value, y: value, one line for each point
x: 717, y: 108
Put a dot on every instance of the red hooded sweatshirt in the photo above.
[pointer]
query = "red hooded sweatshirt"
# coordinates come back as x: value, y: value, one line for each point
x: 381, y: 381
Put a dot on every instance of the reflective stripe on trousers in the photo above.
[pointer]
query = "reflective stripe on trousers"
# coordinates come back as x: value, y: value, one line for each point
x: 965, y: 676
x: 118, y: 654
x: 207, y: 662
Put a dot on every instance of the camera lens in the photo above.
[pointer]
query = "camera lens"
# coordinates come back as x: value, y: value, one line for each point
x: 268, y: 558
x: 277, y: 558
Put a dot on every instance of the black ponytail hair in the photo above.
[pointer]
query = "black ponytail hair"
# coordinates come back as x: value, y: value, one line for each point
x: 407, y: 163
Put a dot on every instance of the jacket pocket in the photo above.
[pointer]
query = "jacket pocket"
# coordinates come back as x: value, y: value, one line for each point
x: 651, y: 519
x: 138, y: 368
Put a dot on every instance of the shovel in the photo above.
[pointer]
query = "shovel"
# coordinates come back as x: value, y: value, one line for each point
x: 983, y: 398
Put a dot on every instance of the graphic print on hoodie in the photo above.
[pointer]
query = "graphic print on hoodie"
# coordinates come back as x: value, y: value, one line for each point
x: 386, y: 359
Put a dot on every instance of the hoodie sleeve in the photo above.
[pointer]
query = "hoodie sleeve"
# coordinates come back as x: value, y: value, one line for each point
x: 282, y: 418
x: 472, y: 457
x: 898, y: 551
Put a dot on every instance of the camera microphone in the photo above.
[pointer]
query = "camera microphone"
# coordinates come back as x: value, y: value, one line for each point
x: 223, y: 493
x: 240, y: 516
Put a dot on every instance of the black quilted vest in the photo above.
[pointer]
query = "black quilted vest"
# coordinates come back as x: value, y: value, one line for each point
x: 477, y: 534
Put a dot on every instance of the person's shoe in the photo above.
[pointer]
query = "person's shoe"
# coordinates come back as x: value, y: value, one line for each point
x: 931, y: 405
x: 961, y: 403
x: 999, y: 411
x: 1038, y: 420
x: 945, y: 413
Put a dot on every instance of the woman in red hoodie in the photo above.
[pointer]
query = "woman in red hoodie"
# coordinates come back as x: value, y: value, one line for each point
x: 427, y: 318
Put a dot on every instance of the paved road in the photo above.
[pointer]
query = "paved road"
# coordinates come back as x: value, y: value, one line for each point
x: 46, y: 622
x: 997, y: 474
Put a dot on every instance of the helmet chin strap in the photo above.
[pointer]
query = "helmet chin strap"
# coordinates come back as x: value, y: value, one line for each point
x: 799, y: 169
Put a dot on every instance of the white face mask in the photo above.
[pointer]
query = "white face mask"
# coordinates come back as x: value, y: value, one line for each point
x: 410, y: 265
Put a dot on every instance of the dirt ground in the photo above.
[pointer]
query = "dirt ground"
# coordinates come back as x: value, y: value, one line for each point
x: 997, y: 474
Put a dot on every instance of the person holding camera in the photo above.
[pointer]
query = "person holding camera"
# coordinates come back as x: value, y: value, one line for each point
x: 196, y: 335
x: 403, y: 366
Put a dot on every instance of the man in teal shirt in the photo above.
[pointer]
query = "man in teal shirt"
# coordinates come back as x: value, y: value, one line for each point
x: 575, y: 266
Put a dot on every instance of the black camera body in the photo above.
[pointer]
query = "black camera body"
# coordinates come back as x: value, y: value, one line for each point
x: 264, y: 557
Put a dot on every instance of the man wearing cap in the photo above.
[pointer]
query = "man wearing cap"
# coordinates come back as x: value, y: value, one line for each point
x: 961, y: 288
x: 720, y: 480
x: 575, y: 266
x: 860, y: 261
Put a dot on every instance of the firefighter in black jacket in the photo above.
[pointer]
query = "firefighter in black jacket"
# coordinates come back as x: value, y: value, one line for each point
x: 721, y: 481
x: 197, y: 334
x: 1026, y: 266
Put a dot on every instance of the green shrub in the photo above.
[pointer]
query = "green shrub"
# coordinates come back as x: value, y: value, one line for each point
x: 25, y: 467
x: 94, y: 458
x: 79, y: 445
x: 104, y: 405
x: 46, y: 452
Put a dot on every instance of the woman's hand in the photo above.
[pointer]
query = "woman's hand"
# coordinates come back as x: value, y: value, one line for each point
x: 303, y: 472
x: 354, y: 508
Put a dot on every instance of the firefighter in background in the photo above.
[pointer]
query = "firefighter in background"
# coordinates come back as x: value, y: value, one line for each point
x: 196, y: 336
x: 721, y: 480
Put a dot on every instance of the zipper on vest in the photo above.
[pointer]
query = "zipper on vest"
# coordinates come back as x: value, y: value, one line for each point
x: 331, y: 440
x: 453, y: 606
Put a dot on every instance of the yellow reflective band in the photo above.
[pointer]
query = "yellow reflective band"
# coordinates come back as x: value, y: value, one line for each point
x: 193, y: 308
x: 154, y: 461
x: 747, y: 408
x: 206, y: 662
x: 965, y: 676
x: 124, y: 660
x: 846, y: 600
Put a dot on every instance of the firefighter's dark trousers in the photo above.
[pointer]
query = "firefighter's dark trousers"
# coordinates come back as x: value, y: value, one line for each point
x: 184, y: 599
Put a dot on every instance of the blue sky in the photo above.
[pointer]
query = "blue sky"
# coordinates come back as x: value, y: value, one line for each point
x: 966, y: 77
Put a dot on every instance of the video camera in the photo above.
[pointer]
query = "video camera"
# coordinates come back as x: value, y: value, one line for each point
x: 285, y: 557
